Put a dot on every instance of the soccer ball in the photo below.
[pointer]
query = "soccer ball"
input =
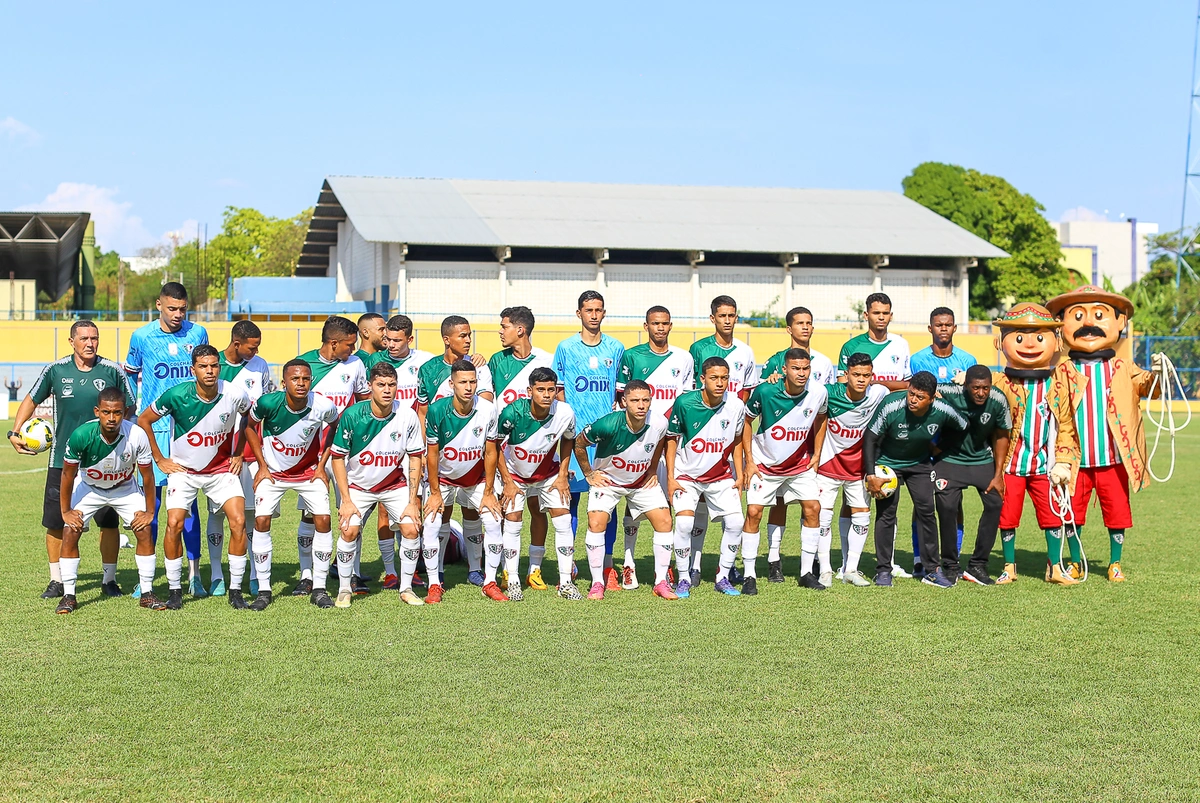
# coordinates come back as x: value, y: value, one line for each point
x: 37, y: 434
x: 890, y: 483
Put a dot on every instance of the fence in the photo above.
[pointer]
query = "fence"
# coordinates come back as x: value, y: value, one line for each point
x: 1183, y: 351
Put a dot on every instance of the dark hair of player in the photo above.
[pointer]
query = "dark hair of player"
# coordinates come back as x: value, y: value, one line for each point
x: 939, y: 312
x: 877, y: 298
x: 245, y: 330
x: 794, y: 311
x: 979, y: 372
x: 379, y: 369
x: 542, y: 374
x: 295, y: 363
x: 859, y: 358
x: 204, y: 350
x: 711, y: 362
x: 337, y: 328
x: 519, y: 316
x: 924, y: 382
x: 452, y: 322
x: 83, y: 323
x: 112, y: 393
x: 656, y: 309
x: 400, y: 323
x: 796, y: 354
x: 462, y: 367
x: 173, y: 290
x: 722, y: 301
x: 585, y: 297
x: 637, y: 384
x: 368, y: 316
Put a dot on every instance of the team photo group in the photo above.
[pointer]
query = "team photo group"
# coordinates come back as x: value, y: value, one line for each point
x: 205, y: 446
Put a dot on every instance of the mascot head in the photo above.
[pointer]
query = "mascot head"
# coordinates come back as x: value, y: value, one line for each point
x: 1028, y: 337
x: 1092, y: 319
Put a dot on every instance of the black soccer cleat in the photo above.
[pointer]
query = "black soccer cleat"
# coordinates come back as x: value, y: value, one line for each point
x: 359, y: 585
x: 236, y: 600
x: 303, y: 588
x: 53, y: 591
x: 366, y: 578
x: 750, y: 587
x: 67, y: 605
x: 809, y: 580
x: 320, y: 597
x: 110, y: 589
x: 735, y: 576
x: 261, y: 601
x: 174, y: 599
x: 775, y: 571
x: 150, y: 602
x: 978, y: 575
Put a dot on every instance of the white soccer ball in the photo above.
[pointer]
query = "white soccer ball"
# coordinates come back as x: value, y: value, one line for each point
x: 890, y: 483
x: 37, y: 434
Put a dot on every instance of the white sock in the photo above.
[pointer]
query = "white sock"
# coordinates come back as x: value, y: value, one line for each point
x: 564, y: 546
x: 110, y: 572
x: 346, y: 550
x: 174, y: 572
x: 216, y: 543
x: 145, y: 567
x: 193, y: 568
x: 237, y: 570
x: 595, y: 555
x: 630, y: 528
x: 69, y: 567
x: 750, y: 543
x: 431, y: 545
x: 473, y: 535
x: 824, y: 546
x: 663, y: 544
x: 304, y: 542
x: 322, y: 554
x: 683, y: 546
x: 444, y: 536
x: 261, y: 545
x: 809, y: 538
x: 55, y: 572
x: 699, y: 530
x: 536, y: 555
x: 358, y: 551
x: 511, y: 533
x: 387, y: 551
x: 731, y: 539
x: 860, y: 523
x: 844, y: 524
x: 493, y: 547
x: 410, y: 551
x: 774, y: 541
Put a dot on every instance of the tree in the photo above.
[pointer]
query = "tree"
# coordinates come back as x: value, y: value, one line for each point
x: 994, y: 210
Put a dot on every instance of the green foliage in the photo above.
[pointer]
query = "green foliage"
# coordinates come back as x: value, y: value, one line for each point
x: 1159, y: 307
x: 991, y: 208
x: 766, y: 318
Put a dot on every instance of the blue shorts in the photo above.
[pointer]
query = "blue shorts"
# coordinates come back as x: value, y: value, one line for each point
x: 163, y: 439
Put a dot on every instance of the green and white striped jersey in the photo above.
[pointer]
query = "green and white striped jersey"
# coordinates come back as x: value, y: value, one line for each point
x: 783, y: 445
x: 743, y: 373
x: 667, y: 374
x: 202, y: 431
x: 1098, y: 447
x: 377, y: 449
x: 707, y: 436
x: 460, y: 439
x: 530, y: 445
x: 889, y: 359
x: 510, y: 376
x: 107, y: 465
x: 339, y: 382
x: 624, y: 456
x: 292, y: 438
x: 433, y: 380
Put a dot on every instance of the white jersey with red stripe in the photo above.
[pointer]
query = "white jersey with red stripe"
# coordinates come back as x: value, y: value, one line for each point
x: 842, y: 452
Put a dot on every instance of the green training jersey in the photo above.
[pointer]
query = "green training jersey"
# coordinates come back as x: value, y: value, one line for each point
x: 433, y: 380
x: 460, y: 439
x: 783, y: 445
x: 890, y: 359
x: 974, y: 447
x: 624, y: 456
x: 75, y: 393
x: 107, y: 465
x: 906, y: 440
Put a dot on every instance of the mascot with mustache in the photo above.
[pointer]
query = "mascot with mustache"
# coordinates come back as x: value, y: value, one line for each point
x: 1105, y: 393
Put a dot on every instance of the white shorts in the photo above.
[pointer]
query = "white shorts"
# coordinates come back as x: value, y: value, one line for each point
x: 548, y: 497
x: 313, y: 493
x: 393, y: 502
x: 249, y: 469
x: 337, y: 497
x: 722, y: 498
x: 182, y: 489
x: 637, y: 500
x: 469, y: 496
x: 127, y: 499
x: 765, y: 489
x: 854, y: 491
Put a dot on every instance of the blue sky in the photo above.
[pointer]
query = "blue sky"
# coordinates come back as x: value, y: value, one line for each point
x: 154, y: 116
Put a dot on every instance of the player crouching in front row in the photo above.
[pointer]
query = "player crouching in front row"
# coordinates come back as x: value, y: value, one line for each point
x: 98, y: 469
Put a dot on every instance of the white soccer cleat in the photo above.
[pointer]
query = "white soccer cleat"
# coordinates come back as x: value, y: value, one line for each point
x: 899, y: 572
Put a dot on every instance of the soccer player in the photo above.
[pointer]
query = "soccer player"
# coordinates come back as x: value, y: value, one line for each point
x: 900, y: 437
x: 285, y: 440
x: 98, y: 468
x: 370, y: 336
x: 586, y: 365
x: 399, y: 353
x: 704, y: 460
x: 341, y: 377
x: 205, y: 456
x: 241, y: 365
x: 370, y: 445
x: 529, y: 451
x: 628, y: 446
x: 159, y: 358
x: 74, y: 382
x: 888, y: 352
x: 974, y: 460
x: 851, y: 406
x: 779, y: 463
x: 457, y: 430
x: 667, y: 370
x: 743, y: 376
x: 510, y: 369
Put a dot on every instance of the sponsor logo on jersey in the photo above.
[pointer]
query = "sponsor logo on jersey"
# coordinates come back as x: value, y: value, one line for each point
x: 287, y: 449
x: 340, y: 400
x: 632, y: 466
x: 665, y: 393
x: 787, y: 434
x: 529, y: 455
x: 706, y: 446
x: 68, y: 390
x: 163, y: 370
x: 383, y: 459
x: 595, y: 384
x: 198, y: 439
x: 99, y: 475
x: 509, y: 395
x: 473, y: 455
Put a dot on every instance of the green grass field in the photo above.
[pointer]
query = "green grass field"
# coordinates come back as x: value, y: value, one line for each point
x: 1025, y: 692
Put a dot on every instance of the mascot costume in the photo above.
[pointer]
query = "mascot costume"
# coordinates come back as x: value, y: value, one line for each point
x: 1042, y: 449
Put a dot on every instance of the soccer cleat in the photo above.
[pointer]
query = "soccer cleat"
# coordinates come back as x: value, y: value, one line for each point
x: 611, y: 581
x: 727, y: 588
x: 1115, y: 575
x: 897, y: 571
x: 978, y: 576
x: 569, y: 591
x: 809, y: 580
x: 670, y: 575
x: 261, y: 601
x: 418, y: 581
x: 53, y: 591
x: 694, y: 578
x: 254, y: 588
x: 1056, y: 576
x: 137, y: 591
x: 320, y: 598
x: 1076, y: 570
x: 217, y: 588
x: 493, y: 592
x: 775, y: 571
x: 475, y: 578
x: 683, y: 589
x: 954, y: 574
x: 918, y: 572
x: 67, y: 604
x: 856, y: 578
x: 344, y: 597
x: 391, y: 582
x: 407, y: 596
x: 883, y: 578
x: 535, y: 581
x: 366, y: 578
x: 596, y: 591
x: 1009, y: 575
x: 359, y: 585
x: 663, y: 590
x: 515, y: 594
x: 196, y: 588
x: 303, y: 589
x: 434, y: 595
x: 174, y: 599
x: 110, y: 589
x: 826, y: 579
x: 750, y: 587
x: 840, y: 573
x: 938, y: 579
x: 735, y: 576
x: 151, y: 602
x: 629, y: 579
x: 236, y: 600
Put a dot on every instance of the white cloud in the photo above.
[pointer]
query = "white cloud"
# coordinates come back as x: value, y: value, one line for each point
x: 116, y: 227
x: 1082, y: 213
x: 14, y: 130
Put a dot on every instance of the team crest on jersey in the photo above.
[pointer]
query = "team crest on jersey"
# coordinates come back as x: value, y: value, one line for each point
x: 477, y: 431
x: 345, y: 378
x: 933, y: 428
x: 895, y: 358
x: 1043, y: 409
x: 608, y: 362
x: 99, y: 384
x: 307, y: 431
x: 737, y: 366
x: 675, y: 372
x: 724, y: 423
x: 224, y: 417
x: 395, y: 436
x: 986, y: 417
x: 649, y: 447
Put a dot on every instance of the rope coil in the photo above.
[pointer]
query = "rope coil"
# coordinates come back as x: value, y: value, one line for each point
x: 1060, y: 505
x: 1166, y: 420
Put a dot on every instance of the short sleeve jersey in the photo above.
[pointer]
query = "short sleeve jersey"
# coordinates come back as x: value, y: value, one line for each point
x: 974, y: 447
x: 530, y: 445
x: 202, y: 431
x: 433, y: 381
x: 376, y: 450
x: 588, y: 375
x: 943, y: 368
x: 842, y: 450
x: 75, y: 394
x: 510, y: 376
x: 624, y: 456
x: 460, y: 439
x: 107, y: 465
x: 905, y: 440
x: 890, y: 359
x: 707, y: 436
x: 822, y: 372
x: 743, y: 373
x: 291, y: 439
x: 783, y: 444
x: 339, y: 382
x: 668, y: 374
x: 253, y: 375
x: 407, y: 372
x: 160, y: 360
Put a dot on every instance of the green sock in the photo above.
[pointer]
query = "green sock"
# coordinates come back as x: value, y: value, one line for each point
x: 1054, y: 546
x: 1008, y: 542
x: 1116, y: 539
x: 1074, y: 544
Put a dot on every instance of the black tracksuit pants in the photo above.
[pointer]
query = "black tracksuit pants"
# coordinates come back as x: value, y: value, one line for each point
x: 918, y: 481
x: 951, y: 480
